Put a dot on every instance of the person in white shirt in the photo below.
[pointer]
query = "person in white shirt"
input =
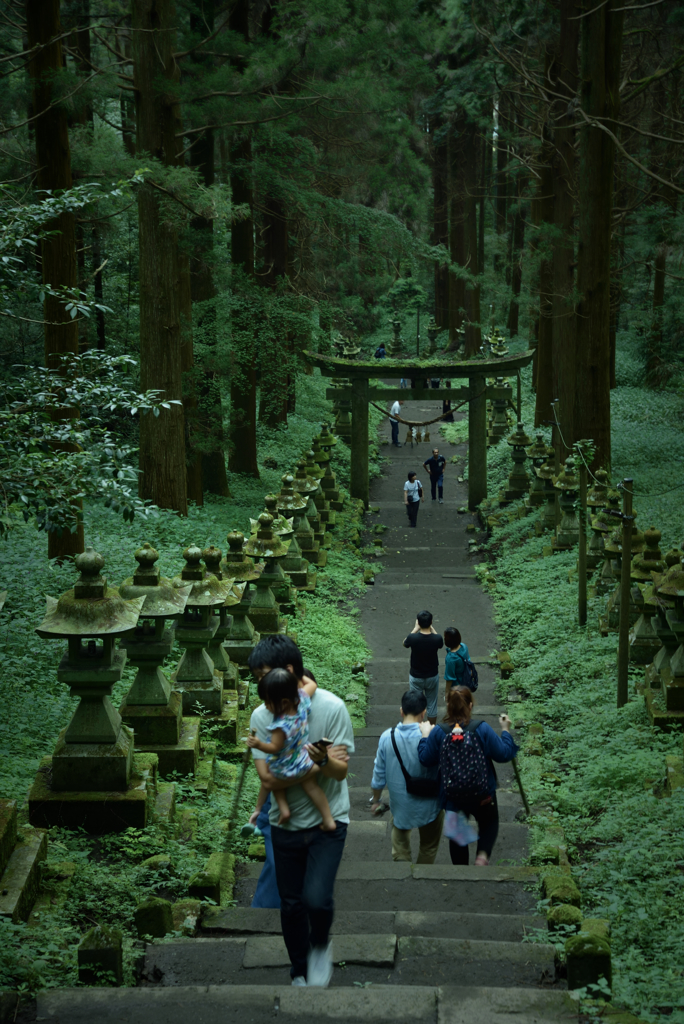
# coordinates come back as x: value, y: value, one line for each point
x: 395, y: 411
x: 413, y: 495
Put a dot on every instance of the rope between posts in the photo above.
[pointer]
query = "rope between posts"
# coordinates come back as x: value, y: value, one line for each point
x: 426, y: 423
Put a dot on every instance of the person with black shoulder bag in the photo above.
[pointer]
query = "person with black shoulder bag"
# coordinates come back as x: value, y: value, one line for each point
x: 413, y: 495
x: 414, y: 791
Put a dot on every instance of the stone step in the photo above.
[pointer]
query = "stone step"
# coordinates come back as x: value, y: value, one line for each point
x: 358, y: 958
x: 371, y: 839
x: 395, y: 886
x: 20, y: 880
x: 261, y: 1004
x: 387, y: 715
x: 428, y: 924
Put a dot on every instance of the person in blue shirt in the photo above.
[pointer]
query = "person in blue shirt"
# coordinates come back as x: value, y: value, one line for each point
x: 457, y: 655
x: 408, y: 812
x: 496, y: 748
x: 380, y: 352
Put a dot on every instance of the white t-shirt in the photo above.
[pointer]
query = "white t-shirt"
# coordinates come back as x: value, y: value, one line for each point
x: 412, y: 489
x: 329, y: 718
x: 395, y: 410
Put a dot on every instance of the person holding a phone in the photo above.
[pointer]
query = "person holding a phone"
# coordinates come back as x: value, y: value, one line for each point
x: 413, y: 790
x: 305, y: 856
x: 413, y: 495
x: 424, y: 642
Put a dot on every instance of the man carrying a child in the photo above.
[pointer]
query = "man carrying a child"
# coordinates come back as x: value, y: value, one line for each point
x: 306, y: 856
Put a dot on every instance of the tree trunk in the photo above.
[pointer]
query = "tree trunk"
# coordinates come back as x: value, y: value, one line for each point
x: 517, y: 244
x: 502, y: 185
x: 485, y: 174
x: 58, y: 250
x: 440, y: 220
x: 162, y: 438
x: 601, y: 53
x: 564, y: 73
x: 655, y: 336
x: 472, y: 151
x: 126, y: 103
x: 457, y: 237
x: 545, y: 324
x: 96, y: 263
x: 277, y: 362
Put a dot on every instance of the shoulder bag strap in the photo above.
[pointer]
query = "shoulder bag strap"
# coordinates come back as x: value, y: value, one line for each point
x: 401, y: 763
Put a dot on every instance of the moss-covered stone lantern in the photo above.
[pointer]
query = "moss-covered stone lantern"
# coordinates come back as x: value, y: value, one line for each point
x: 546, y: 474
x: 518, y: 481
x: 644, y: 643
x: 196, y: 678
x: 394, y: 347
x: 285, y: 593
x: 212, y: 558
x: 151, y: 708
x: 498, y: 424
x: 291, y: 504
x: 596, y: 501
x: 668, y: 623
x: 538, y: 453
x: 432, y: 332
x: 242, y: 636
x: 93, y: 756
x: 264, y: 609
x: 309, y: 531
x: 497, y: 344
x: 567, y: 484
x: 322, y: 505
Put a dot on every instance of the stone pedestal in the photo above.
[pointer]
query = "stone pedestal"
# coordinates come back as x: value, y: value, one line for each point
x: 94, y: 753
x: 538, y: 453
x: 567, y: 484
x: 309, y: 543
x: 518, y: 481
x: 264, y: 610
x: 291, y: 504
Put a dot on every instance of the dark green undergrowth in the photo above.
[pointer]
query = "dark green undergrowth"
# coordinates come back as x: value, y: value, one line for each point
x: 110, y: 878
x: 601, y: 767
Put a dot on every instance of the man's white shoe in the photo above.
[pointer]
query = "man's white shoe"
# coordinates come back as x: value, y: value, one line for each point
x: 320, y: 967
x: 299, y: 981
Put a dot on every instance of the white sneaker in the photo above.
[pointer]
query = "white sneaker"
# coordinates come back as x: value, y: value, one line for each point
x: 299, y: 981
x: 320, y: 967
x: 441, y: 501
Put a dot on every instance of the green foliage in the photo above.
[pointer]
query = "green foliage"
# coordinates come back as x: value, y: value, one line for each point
x: 625, y: 843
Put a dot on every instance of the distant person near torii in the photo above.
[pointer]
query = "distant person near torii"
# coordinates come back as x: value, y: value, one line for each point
x: 395, y: 411
x: 435, y: 467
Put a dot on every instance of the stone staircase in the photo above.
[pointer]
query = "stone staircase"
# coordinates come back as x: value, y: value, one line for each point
x: 412, y: 943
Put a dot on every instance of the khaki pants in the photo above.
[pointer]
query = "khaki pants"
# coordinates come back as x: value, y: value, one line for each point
x: 430, y: 836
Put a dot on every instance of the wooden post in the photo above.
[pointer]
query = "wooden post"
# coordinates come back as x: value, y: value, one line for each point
x: 625, y: 580
x: 556, y: 442
x: 582, y: 563
x: 477, y: 442
x: 359, y: 439
x: 519, y: 398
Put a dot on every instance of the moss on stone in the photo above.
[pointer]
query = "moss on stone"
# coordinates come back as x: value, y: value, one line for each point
x: 563, y: 914
x: 598, y: 926
x: 588, y: 958
x: 560, y: 888
x: 100, y: 958
x: 154, y: 917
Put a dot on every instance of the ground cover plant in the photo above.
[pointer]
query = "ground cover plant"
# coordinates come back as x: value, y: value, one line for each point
x: 90, y: 881
x: 601, y: 770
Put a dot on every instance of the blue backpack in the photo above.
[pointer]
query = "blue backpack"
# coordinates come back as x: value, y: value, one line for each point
x: 470, y: 677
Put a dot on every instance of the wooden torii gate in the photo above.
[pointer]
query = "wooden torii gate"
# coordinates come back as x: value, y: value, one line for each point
x: 476, y: 371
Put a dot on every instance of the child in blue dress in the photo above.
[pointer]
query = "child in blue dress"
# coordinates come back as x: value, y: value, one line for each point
x: 288, y: 757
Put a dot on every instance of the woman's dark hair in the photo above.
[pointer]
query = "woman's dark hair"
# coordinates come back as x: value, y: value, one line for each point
x: 411, y: 476
x: 459, y: 705
x: 452, y: 637
x: 277, y: 686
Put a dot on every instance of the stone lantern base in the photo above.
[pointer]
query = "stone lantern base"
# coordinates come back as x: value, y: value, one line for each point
x: 163, y: 731
x: 97, y: 811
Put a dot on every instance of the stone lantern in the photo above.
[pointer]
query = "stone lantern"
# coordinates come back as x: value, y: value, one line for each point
x: 292, y: 504
x: 432, y: 332
x: 331, y: 490
x: 518, y: 481
x: 643, y: 640
x: 596, y: 501
x: 242, y: 635
x: 394, y: 347
x: 309, y: 531
x: 342, y: 407
x: 319, y: 500
x: 264, y: 610
x: 326, y: 440
x: 284, y: 593
x: 498, y: 426
x: 151, y: 708
x: 497, y: 344
x: 196, y: 678
x: 212, y: 557
x: 88, y: 781
x: 667, y: 669
x: 546, y: 474
x: 603, y: 524
x: 538, y: 453
x: 567, y: 484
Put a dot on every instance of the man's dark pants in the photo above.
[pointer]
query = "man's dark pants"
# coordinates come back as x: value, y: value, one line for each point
x: 437, y: 482
x: 395, y: 431
x: 306, y: 864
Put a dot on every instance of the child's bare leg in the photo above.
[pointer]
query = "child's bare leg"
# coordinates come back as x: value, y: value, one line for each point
x: 320, y: 802
x: 283, y: 806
